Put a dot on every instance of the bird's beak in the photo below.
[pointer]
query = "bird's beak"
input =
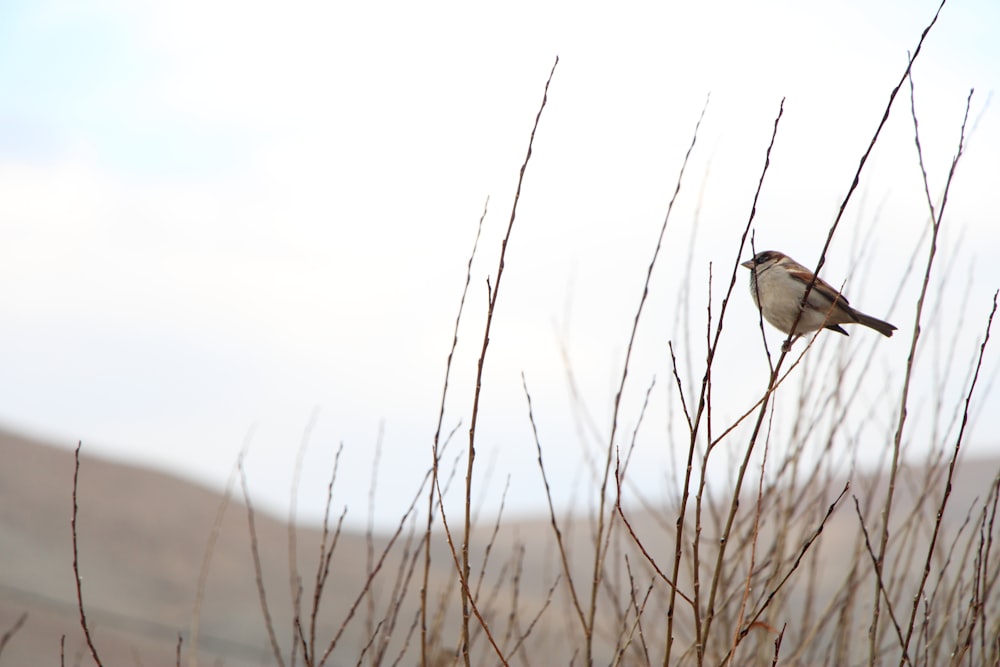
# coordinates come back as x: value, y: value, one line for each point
x: 748, y: 264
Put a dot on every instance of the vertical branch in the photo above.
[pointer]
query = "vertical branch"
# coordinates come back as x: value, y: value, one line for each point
x: 758, y: 511
x: 560, y: 543
x: 259, y: 570
x: 703, y: 629
x: 76, y: 562
x: 947, y: 487
x: 777, y: 645
x: 424, y: 657
x: 323, y: 563
x: 12, y: 630
x: 494, y: 292
x: 905, y: 393
x: 206, y: 561
x: 370, y: 530
x: 294, y: 578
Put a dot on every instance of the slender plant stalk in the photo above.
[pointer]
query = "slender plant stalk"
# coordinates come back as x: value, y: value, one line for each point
x: 76, y: 562
x: 259, y: 571
x: 436, y: 450
x: 493, y: 295
x: 12, y: 630
x: 904, y: 397
x: 937, y: 217
x: 704, y: 627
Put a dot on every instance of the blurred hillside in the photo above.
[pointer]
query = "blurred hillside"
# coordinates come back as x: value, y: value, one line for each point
x: 143, y: 536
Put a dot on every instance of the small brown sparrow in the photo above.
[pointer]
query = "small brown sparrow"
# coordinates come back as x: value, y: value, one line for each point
x: 778, y: 283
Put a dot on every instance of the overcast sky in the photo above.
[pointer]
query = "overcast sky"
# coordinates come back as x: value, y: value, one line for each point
x: 219, y: 217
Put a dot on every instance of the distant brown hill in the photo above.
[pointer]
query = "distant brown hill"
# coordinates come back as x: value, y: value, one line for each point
x: 142, y: 541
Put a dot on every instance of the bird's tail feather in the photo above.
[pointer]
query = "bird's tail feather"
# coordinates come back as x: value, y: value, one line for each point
x: 878, y: 325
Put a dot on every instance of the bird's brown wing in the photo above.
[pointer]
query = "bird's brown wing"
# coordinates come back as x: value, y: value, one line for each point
x: 821, y: 287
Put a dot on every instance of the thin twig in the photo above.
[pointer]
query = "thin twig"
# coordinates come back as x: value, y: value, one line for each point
x: 777, y: 645
x: 905, y: 391
x: 370, y: 528
x: 758, y: 510
x: 325, y: 557
x: 947, y: 487
x: 493, y: 295
x: 294, y: 578
x: 879, y: 580
x: 649, y: 558
x: 680, y: 385
x: 259, y: 570
x: 206, y: 559
x: 425, y: 658
x: 76, y: 561
x: 531, y: 626
x: 12, y: 630
x: 706, y: 624
x: 560, y: 542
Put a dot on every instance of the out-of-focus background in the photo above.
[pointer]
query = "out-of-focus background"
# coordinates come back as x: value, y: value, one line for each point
x: 221, y: 222
x: 242, y: 226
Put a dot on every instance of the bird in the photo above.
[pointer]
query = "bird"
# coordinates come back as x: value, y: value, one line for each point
x: 777, y: 285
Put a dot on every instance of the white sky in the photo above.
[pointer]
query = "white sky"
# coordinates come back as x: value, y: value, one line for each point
x: 217, y: 216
